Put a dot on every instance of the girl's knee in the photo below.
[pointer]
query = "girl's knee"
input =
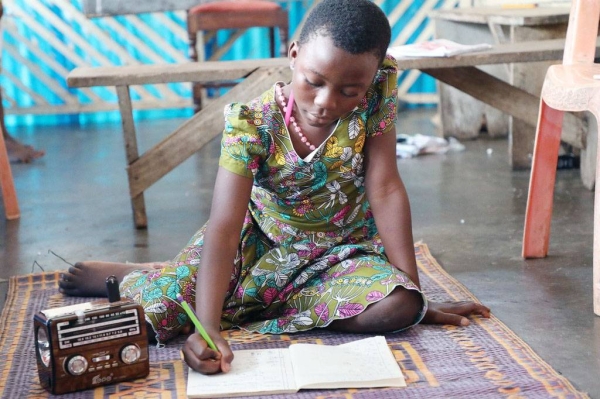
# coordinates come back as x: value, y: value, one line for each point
x: 403, y: 309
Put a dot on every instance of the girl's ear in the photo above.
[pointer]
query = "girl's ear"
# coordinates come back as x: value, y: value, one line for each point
x: 293, y: 52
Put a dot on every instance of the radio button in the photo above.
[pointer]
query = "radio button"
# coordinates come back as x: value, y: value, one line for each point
x: 100, y: 358
x: 77, y: 365
x: 130, y: 354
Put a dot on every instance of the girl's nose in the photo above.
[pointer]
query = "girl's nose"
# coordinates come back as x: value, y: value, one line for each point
x: 326, y: 99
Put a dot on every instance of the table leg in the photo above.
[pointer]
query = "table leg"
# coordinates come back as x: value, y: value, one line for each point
x: 131, y: 151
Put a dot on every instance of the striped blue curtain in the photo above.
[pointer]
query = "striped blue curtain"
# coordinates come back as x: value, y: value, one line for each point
x: 244, y: 48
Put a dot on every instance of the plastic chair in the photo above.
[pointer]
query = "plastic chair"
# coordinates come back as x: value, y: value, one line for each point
x: 570, y: 86
x: 206, y: 19
x: 9, y: 195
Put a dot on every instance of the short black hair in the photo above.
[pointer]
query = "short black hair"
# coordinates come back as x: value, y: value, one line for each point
x: 355, y: 26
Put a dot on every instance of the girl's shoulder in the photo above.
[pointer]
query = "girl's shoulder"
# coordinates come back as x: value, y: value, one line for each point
x: 251, y: 111
x: 379, y: 105
x: 384, y: 87
x: 388, y: 69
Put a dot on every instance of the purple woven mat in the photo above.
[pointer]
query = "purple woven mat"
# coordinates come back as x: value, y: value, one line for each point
x: 483, y: 360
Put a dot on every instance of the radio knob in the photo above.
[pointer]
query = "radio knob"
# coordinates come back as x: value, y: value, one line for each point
x: 77, y: 365
x: 130, y: 354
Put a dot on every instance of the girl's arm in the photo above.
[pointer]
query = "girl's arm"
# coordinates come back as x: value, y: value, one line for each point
x: 389, y: 203
x: 391, y: 209
x: 221, y: 243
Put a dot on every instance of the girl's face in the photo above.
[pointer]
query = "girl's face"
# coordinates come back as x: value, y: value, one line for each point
x: 328, y: 82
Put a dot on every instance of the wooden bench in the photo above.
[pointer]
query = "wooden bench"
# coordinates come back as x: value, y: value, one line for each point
x: 460, y: 72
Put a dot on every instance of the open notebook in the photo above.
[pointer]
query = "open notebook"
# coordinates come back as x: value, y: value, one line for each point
x: 366, y: 363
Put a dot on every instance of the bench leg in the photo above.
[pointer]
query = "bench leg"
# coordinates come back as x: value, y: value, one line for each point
x: 538, y: 215
x: 131, y: 150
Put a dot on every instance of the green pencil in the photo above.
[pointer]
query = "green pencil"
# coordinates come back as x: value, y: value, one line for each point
x: 196, y: 322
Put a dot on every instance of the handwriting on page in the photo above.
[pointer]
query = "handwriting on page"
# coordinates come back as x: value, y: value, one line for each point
x: 251, y: 371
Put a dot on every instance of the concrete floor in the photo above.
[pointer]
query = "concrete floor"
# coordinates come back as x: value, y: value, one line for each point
x: 467, y: 206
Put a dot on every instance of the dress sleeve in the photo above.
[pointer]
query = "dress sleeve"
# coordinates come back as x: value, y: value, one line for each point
x: 243, y: 147
x: 382, y: 99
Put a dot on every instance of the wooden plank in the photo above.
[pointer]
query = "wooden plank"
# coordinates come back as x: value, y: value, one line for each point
x: 505, y: 16
x: 100, y: 8
x: 506, y: 98
x: 530, y: 51
x: 77, y: 108
x: 197, y: 131
x: 542, y: 50
x: 169, y: 73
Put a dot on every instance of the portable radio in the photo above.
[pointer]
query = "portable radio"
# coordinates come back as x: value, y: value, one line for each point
x: 91, y: 344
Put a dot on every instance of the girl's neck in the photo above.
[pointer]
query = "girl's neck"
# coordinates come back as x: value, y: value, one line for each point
x: 300, y: 132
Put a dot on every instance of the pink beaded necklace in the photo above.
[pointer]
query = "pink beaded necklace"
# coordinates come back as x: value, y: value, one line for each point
x: 287, y: 108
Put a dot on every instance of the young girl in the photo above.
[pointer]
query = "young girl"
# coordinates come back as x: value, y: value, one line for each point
x: 310, y: 223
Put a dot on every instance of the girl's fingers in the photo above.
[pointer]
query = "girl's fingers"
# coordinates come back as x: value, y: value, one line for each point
x: 200, y: 357
x: 226, y: 354
x: 454, y: 313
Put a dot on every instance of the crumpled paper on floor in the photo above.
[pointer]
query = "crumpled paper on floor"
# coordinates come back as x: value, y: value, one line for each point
x: 409, y: 146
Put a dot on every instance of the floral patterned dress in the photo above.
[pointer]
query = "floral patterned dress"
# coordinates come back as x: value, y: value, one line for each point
x: 309, y: 250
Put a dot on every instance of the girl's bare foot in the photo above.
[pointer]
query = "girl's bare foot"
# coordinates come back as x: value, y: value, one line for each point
x: 89, y: 278
x: 19, y: 152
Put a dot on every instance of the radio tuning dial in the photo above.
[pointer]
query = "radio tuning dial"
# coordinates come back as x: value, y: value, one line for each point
x: 77, y: 365
x: 130, y: 354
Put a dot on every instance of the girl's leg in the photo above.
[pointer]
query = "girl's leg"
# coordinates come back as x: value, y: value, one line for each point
x: 89, y: 278
x: 398, y: 310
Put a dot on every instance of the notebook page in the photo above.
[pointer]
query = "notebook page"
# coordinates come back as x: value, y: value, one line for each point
x: 252, y: 372
x: 358, y: 364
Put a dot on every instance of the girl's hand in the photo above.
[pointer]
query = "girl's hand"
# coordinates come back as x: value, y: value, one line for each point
x: 454, y: 313
x: 203, y: 359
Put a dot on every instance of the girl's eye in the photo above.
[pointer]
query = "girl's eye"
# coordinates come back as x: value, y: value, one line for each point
x: 311, y: 83
x: 349, y: 95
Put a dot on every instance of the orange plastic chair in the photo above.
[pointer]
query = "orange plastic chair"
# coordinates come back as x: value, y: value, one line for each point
x: 570, y: 86
x: 9, y: 195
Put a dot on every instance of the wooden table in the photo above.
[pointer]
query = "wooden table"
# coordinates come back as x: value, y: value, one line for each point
x: 460, y: 72
x: 461, y: 116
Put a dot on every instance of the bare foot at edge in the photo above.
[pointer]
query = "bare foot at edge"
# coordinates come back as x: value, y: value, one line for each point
x: 88, y: 279
x: 19, y: 152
